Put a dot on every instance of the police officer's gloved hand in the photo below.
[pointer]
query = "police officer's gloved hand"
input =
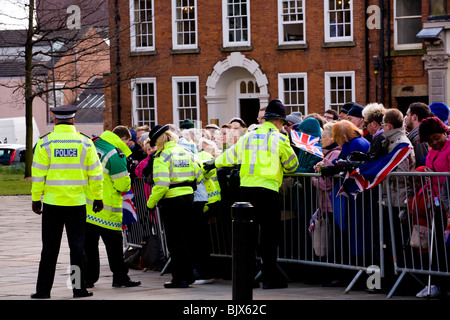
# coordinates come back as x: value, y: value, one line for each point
x: 209, y: 165
x: 97, y: 206
x: 36, y: 207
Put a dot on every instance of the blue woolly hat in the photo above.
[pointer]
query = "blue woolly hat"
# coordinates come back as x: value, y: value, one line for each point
x: 440, y: 110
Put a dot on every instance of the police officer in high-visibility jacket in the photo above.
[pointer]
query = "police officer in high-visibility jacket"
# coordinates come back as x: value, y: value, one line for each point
x: 65, y: 165
x: 113, y: 150
x: 264, y: 155
x: 175, y: 175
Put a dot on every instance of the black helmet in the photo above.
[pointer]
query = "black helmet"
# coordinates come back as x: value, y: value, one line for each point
x: 275, y: 110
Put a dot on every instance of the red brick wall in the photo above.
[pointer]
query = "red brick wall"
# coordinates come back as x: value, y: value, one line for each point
x: 315, y: 60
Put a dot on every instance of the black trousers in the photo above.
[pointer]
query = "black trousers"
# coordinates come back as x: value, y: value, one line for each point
x: 266, y: 221
x: 176, y: 214
x: 54, y: 219
x: 113, y: 241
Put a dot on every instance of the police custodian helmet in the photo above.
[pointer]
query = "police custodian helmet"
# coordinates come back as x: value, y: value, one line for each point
x: 275, y: 110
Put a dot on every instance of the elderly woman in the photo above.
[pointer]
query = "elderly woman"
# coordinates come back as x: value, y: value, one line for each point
x: 331, y: 151
x: 175, y: 175
x: 351, y: 140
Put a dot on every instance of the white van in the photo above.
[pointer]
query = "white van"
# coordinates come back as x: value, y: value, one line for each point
x: 13, y: 131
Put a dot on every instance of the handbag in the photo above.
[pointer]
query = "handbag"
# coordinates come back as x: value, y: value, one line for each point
x: 419, y: 237
x: 321, y: 235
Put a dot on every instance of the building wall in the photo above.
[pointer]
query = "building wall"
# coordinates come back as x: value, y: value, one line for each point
x: 315, y: 59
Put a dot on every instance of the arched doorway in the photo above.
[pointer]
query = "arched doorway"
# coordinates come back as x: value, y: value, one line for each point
x: 225, y: 99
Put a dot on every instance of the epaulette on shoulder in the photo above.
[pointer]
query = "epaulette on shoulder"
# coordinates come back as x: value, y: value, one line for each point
x: 45, y: 135
x: 120, y: 153
x: 85, y: 135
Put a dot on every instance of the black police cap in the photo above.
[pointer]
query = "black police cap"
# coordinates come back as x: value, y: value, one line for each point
x: 64, y: 112
x: 156, y: 132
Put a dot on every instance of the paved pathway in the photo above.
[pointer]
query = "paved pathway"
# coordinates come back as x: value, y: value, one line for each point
x: 20, y: 246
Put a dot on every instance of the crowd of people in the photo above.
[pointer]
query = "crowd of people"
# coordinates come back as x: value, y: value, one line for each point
x: 194, y: 173
x: 354, y: 136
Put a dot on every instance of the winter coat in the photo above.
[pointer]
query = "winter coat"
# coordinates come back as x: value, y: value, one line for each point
x: 325, y: 184
x: 398, y: 185
x: 439, y: 161
x: 307, y: 160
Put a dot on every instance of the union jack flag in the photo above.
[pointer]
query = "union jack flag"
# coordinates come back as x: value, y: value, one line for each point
x: 307, y: 143
x: 373, y: 172
x: 129, y: 210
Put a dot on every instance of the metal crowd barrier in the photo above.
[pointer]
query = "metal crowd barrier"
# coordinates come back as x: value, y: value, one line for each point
x: 418, y: 227
x: 319, y: 228
x: 323, y: 229
x: 148, y: 222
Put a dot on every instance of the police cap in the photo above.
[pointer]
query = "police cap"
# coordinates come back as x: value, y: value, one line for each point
x: 156, y: 132
x: 64, y: 112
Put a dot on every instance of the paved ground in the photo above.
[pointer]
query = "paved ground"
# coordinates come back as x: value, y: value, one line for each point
x: 20, y: 247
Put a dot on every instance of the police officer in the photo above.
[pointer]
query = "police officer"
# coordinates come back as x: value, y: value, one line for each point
x: 264, y: 155
x: 175, y: 176
x: 65, y: 165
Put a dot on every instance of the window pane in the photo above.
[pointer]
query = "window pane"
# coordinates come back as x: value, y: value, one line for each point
x: 143, y: 23
x: 408, y: 8
x: 294, y: 93
x: 409, y: 27
x: 145, y: 108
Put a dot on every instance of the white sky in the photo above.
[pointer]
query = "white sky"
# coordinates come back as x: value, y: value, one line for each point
x: 13, y: 14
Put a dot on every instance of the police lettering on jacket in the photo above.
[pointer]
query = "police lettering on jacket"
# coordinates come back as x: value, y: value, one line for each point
x: 71, y: 153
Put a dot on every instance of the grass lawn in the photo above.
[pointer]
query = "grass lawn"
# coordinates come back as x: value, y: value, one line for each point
x: 12, y: 181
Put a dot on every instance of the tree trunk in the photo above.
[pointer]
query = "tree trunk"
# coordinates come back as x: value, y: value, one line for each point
x: 29, y: 92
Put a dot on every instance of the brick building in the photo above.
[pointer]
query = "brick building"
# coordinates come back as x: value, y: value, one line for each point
x: 213, y: 60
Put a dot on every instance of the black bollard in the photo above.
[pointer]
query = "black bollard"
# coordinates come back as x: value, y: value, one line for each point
x: 243, y: 251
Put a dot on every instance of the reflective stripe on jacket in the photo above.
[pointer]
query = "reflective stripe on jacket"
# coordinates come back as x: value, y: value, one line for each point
x: 211, y: 182
x: 65, y: 165
x: 264, y: 155
x: 173, y: 166
x: 113, y: 153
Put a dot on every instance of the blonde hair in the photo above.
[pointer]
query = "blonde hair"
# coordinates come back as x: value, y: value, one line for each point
x: 164, y: 138
x: 328, y: 126
x: 345, y: 131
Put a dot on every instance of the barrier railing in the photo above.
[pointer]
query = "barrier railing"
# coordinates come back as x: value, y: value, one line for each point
x: 323, y: 229
x: 319, y: 228
x: 417, y: 228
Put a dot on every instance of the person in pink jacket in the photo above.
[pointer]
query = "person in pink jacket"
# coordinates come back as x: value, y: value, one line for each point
x: 435, y: 132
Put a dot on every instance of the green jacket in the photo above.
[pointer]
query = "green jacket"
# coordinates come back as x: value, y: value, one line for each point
x: 112, y: 153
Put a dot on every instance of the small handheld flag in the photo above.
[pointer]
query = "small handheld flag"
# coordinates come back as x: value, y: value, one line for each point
x: 307, y: 143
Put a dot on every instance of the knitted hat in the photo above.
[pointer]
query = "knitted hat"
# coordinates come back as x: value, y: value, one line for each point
x: 133, y: 135
x: 295, y: 117
x: 309, y: 126
x: 187, y: 124
x: 347, y: 106
x: 156, y: 132
x: 275, y: 110
x: 440, y: 110
x: 356, y: 111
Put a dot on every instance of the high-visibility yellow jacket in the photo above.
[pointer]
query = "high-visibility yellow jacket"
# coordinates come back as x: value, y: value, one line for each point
x: 65, y: 165
x: 211, y: 182
x: 173, y: 166
x: 264, y: 155
x: 116, y: 179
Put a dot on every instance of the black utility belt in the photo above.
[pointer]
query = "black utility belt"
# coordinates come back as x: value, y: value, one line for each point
x: 183, y: 184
